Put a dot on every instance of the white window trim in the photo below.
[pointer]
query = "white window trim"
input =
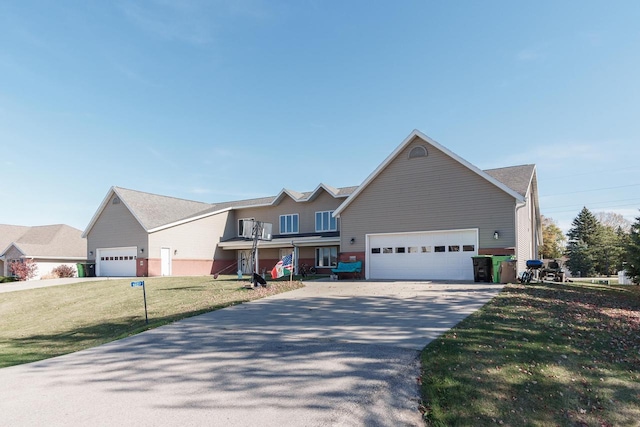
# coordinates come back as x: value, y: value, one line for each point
x: 320, y: 230
x: 328, y: 248
x: 289, y: 232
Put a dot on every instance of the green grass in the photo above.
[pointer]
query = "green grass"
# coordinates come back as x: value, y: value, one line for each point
x: 42, y: 323
x: 540, y: 355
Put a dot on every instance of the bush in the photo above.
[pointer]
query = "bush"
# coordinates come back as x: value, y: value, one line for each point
x: 64, y: 271
x: 24, y: 269
x: 4, y: 279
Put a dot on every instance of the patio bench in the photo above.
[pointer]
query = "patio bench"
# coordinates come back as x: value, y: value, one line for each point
x: 354, y: 267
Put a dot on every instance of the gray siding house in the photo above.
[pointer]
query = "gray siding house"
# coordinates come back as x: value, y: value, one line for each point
x: 421, y: 214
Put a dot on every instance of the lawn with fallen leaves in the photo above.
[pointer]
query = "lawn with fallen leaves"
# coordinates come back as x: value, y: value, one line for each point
x: 41, y: 323
x: 539, y: 355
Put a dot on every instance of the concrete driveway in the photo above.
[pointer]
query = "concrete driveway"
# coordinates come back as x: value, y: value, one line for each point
x: 331, y: 354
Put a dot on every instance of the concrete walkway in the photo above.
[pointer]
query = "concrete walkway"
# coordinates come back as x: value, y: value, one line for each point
x: 34, y: 284
x: 331, y: 354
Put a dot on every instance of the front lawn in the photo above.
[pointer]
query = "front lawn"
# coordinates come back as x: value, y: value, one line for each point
x: 41, y: 323
x: 539, y: 355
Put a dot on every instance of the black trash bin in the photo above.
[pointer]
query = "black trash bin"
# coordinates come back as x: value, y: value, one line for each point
x: 482, y: 268
x: 90, y: 269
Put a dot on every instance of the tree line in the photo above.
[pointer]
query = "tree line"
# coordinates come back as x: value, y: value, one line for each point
x: 596, y: 245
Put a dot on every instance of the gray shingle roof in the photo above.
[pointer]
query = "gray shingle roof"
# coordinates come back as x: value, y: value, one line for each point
x: 517, y: 178
x: 153, y: 210
x: 57, y: 241
x: 10, y: 233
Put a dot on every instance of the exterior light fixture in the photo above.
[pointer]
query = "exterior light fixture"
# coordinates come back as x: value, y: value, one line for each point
x: 353, y: 240
x: 496, y: 235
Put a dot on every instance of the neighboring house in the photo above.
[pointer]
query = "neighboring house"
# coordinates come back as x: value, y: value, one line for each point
x: 49, y: 246
x: 422, y: 214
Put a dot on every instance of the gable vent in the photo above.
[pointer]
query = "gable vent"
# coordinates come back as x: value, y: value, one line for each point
x: 115, y: 201
x: 418, y: 151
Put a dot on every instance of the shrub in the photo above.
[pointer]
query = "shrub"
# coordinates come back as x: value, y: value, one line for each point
x: 64, y: 271
x: 23, y: 269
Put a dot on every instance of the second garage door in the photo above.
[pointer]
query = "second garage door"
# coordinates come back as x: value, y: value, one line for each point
x: 116, y: 262
x: 432, y: 255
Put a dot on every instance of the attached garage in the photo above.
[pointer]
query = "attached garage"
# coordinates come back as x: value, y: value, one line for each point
x: 425, y: 255
x: 116, y: 262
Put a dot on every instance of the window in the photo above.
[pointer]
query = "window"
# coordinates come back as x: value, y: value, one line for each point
x: 440, y: 249
x: 289, y: 224
x: 241, y: 224
x: 375, y: 250
x: 327, y: 257
x: 454, y: 248
x: 426, y: 249
x: 412, y: 249
x: 387, y: 250
x: 325, y: 221
x: 469, y: 248
x: 400, y: 250
x: 419, y: 151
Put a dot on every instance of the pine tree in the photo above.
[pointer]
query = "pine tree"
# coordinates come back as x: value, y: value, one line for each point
x: 583, y: 241
x: 632, y: 266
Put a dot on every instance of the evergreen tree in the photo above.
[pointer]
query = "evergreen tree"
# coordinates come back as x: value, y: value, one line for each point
x: 583, y: 238
x: 632, y: 266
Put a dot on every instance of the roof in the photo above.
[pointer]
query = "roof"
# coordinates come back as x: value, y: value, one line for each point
x: 155, y: 212
x: 145, y: 207
x: 49, y: 241
x: 517, y: 178
x: 417, y: 134
x: 9, y: 234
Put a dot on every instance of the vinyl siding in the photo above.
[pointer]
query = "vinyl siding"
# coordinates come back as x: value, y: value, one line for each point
x: 116, y: 227
x: 525, y: 236
x: 306, y: 211
x: 193, y: 240
x: 427, y: 194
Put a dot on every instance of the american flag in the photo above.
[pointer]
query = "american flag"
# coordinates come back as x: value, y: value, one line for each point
x: 287, y: 261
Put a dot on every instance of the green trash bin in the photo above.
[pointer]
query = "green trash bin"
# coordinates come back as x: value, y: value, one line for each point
x: 497, y: 259
x: 80, y: 268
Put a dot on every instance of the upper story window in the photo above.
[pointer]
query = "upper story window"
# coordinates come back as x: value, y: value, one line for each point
x: 289, y: 224
x: 325, y: 221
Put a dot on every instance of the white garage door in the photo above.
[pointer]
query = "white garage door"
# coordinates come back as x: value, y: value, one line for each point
x: 116, y: 262
x: 444, y: 255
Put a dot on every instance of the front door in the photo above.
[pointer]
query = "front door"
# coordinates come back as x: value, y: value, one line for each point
x: 165, y: 261
x: 244, y: 261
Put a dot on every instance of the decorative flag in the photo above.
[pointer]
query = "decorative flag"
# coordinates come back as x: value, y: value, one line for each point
x: 283, y: 267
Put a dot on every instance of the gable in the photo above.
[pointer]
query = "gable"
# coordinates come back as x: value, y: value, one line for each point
x: 435, y: 184
x: 422, y: 146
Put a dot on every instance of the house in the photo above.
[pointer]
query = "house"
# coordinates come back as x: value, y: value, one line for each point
x: 49, y: 246
x: 421, y: 214
x: 140, y: 234
x: 425, y: 211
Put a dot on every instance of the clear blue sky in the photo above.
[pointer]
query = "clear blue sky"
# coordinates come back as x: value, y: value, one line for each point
x: 224, y: 100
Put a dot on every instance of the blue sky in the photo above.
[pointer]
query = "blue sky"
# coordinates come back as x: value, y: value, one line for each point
x: 225, y: 100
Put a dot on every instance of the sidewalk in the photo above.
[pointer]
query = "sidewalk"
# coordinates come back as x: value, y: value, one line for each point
x: 34, y: 284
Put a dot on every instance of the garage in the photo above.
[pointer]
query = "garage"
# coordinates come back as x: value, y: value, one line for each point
x: 425, y: 255
x: 116, y: 262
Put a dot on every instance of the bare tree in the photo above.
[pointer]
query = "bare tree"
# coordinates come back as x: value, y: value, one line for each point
x: 613, y: 220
